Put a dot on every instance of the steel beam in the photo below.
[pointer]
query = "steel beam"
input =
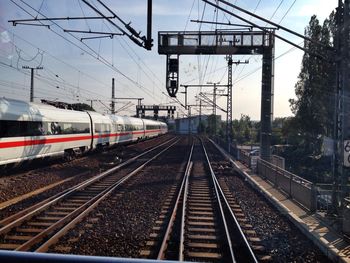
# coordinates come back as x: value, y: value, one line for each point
x: 267, y: 90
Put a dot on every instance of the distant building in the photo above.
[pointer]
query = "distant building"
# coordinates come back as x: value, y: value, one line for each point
x: 187, y: 125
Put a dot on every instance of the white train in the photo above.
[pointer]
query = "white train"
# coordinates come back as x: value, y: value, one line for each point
x: 30, y: 130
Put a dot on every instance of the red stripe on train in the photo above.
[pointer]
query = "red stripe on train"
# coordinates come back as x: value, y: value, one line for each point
x: 65, y: 139
x: 42, y: 141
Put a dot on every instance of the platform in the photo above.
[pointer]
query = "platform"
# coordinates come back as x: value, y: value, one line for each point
x: 327, y: 239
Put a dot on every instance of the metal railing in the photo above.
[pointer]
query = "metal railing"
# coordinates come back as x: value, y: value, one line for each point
x: 298, y: 188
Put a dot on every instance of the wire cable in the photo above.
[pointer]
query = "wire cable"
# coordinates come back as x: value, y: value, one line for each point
x: 91, y: 53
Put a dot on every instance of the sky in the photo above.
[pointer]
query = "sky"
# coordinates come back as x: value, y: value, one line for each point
x: 81, y: 71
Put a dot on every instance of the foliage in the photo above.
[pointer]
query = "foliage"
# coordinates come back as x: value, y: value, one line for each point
x: 243, y: 130
x: 313, y: 107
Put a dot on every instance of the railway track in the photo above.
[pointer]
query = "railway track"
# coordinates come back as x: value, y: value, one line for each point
x: 25, y: 184
x: 200, y: 225
x: 40, y: 226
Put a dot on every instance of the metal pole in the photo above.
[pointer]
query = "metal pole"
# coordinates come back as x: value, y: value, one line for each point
x: 186, y: 96
x: 214, y: 108
x: 148, y: 42
x: 200, y: 110
x: 189, y: 119
x: 31, y: 98
x: 113, y: 97
x: 31, y: 84
x: 267, y: 90
x: 214, y: 100
x: 229, y: 102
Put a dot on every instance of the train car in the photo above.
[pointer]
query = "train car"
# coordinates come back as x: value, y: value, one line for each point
x: 111, y: 129
x: 30, y: 130
x: 163, y: 128
x: 152, y: 128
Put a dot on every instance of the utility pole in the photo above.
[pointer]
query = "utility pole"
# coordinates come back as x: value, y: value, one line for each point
x: 214, y: 104
x: 31, y: 80
x: 189, y: 120
x: 185, y: 92
x: 214, y: 99
x: 200, y: 109
x: 230, y: 62
x: 113, y: 97
x: 229, y: 103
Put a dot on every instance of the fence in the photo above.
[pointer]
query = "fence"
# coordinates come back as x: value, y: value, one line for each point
x: 299, y: 189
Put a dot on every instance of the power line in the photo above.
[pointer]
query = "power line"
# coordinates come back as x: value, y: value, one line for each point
x: 258, y: 68
x: 138, y: 57
x: 19, y: 51
x: 94, y: 54
x: 287, y: 12
x: 56, y: 58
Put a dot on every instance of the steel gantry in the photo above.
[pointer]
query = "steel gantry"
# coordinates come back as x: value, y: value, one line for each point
x: 173, y: 44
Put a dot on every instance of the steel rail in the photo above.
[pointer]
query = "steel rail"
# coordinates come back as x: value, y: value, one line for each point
x: 227, y: 233
x: 161, y: 253
x: 182, y: 227
x: 220, y: 193
x: 95, y: 201
x: 67, y: 193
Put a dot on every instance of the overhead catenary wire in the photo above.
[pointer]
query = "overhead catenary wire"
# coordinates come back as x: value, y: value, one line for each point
x: 138, y: 60
x: 273, y: 14
x: 291, y: 6
x: 91, y: 53
x: 278, y: 26
x: 265, y: 30
x: 47, y: 68
x: 56, y: 58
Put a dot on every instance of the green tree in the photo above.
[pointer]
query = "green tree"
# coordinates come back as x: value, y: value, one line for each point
x: 242, y: 130
x: 313, y: 107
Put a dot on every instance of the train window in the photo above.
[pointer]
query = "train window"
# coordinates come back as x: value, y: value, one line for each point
x: 98, y: 127
x: 81, y: 127
x: 152, y: 127
x: 102, y: 127
x: 21, y: 128
x: 73, y: 128
x: 67, y: 128
x: 9, y: 129
x: 38, y: 128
